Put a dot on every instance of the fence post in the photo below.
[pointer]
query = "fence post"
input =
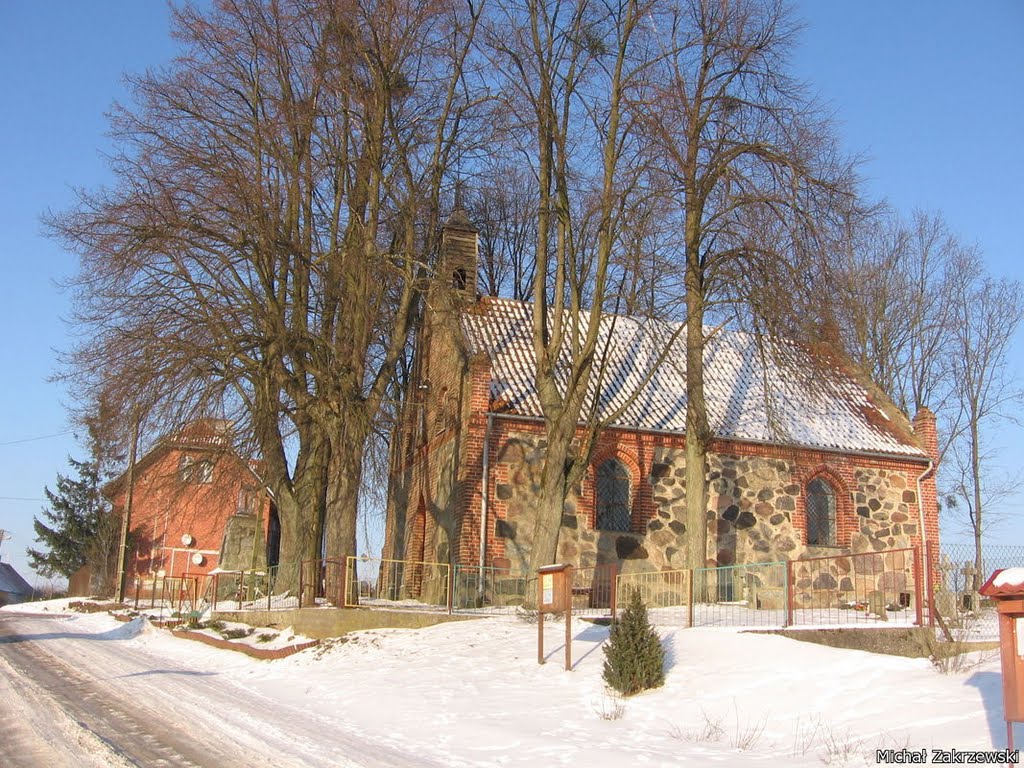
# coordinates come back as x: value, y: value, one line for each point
x: 929, y: 555
x: 790, y: 596
x: 341, y: 582
x: 918, y: 587
x: 689, y: 598
x: 613, y: 601
x: 451, y: 587
x: 302, y: 583
x: 348, y: 582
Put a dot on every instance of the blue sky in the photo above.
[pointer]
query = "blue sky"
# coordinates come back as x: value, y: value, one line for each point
x: 929, y: 93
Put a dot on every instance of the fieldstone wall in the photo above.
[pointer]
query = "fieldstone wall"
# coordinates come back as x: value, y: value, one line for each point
x: 517, y: 466
x: 667, y: 527
x: 751, y: 506
x: 882, y: 502
x: 752, y: 518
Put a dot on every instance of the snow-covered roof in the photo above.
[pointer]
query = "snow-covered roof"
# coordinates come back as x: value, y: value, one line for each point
x: 753, y: 392
x: 11, y: 581
x: 1005, y: 582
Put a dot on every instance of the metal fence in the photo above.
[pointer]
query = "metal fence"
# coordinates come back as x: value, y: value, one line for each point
x: 882, y: 588
x: 894, y: 587
x: 491, y: 591
x: 397, y: 584
x: 178, y: 595
x: 957, y: 572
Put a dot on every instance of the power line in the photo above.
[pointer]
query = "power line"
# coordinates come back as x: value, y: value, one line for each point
x: 33, y: 439
x: 18, y: 498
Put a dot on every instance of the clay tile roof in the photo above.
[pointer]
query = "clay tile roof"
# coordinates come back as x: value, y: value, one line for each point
x: 751, y: 396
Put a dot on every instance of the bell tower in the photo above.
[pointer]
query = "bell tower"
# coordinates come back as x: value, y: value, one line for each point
x: 459, y: 254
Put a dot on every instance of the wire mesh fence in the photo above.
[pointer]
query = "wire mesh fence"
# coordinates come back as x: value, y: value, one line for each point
x: 958, y: 571
x: 513, y: 592
x: 880, y: 588
x: 751, y: 595
x: 491, y: 591
x: 398, y: 584
x: 956, y: 606
x: 888, y: 588
x: 666, y: 594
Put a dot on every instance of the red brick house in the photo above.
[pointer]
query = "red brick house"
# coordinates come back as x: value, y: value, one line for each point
x: 196, y: 506
x: 798, y: 468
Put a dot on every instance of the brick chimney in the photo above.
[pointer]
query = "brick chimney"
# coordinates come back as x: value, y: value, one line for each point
x: 924, y: 428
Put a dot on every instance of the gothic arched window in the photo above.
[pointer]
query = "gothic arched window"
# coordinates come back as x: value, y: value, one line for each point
x: 821, y: 513
x: 613, y: 494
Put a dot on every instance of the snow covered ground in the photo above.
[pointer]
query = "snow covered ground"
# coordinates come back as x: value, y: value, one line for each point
x: 472, y: 694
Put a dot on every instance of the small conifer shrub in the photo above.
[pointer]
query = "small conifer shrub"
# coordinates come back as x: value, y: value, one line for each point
x: 634, y: 659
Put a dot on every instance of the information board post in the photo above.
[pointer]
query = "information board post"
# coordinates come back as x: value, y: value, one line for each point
x: 554, y: 595
x: 1006, y: 587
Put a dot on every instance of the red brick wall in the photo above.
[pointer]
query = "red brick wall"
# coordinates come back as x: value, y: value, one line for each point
x: 164, y: 508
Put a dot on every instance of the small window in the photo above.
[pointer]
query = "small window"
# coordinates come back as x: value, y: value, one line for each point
x: 613, y: 493
x: 459, y: 279
x: 821, y: 514
x: 193, y: 471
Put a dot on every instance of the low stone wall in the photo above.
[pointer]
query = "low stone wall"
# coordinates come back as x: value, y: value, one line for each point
x: 332, y: 622
x: 256, y: 653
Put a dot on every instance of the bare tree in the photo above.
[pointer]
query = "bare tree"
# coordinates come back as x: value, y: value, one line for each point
x: 753, y: 174
x: 569, y: 71
x: 504, y: 208
x: 275, y: 211
x: 987, y: 313
x: 893, y: 302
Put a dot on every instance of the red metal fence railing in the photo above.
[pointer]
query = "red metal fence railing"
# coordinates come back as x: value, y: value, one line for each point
x: 867, y: 588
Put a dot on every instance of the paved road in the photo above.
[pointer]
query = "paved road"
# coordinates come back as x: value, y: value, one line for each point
x: 79, y: 699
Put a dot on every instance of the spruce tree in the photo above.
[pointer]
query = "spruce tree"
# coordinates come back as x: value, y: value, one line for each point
x: 77, y: 527
x: 634, y: 658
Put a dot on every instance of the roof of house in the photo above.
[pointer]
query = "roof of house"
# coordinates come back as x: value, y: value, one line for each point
x: 11, y: 581
x: 210, y: 436
x: 759, y: 391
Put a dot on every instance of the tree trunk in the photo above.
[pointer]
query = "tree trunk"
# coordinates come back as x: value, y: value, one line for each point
x: 697, y: 432
x: 696, y: 449
x: 342, y: 511
x: 979, y: 575
x: 550, y: 505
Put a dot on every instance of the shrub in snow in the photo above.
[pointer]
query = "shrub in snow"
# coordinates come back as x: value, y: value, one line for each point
x: 634, y: 659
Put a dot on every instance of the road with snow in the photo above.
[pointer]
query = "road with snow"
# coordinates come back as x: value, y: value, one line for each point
x: 82, y: 689
x: 83, y: 699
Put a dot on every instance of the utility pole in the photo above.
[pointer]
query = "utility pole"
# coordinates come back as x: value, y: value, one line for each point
x: 122, y: 560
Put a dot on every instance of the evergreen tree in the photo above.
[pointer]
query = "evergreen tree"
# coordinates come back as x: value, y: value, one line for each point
x: 634, y: 658
x: 77, y: 528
